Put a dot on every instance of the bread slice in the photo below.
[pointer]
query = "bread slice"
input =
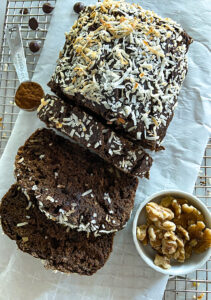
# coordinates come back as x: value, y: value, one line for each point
x: 126, y: 65
x: 92, y: 134
x: 61, y: 248
x: 74, y: 186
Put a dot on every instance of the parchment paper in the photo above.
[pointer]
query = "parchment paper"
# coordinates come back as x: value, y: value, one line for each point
x: 125, y: 275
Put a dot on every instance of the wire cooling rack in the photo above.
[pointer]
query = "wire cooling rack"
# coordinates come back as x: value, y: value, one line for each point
x: 193, y: 286
x: 8, y: 78
x: 198, y: 284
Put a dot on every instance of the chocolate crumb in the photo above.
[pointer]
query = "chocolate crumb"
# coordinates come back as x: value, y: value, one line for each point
x: 34, y: 47
x: 47, y: 8
x: 33, y: 24
x: 24, y: 11
x: 78, y: 7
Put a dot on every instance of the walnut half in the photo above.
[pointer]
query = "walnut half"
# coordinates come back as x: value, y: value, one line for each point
x: 162, y: 261
x: 157, y: 212
x: 141, y: 232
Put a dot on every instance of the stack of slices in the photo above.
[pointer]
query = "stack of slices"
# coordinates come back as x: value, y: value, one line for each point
x: 67, y: 203
x: 116, y: 84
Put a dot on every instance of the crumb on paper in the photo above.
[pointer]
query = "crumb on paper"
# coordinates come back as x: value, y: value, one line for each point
x: 195, y: 284
x: 201, y: 296
x: 1, y: 124
x: 5, y: 69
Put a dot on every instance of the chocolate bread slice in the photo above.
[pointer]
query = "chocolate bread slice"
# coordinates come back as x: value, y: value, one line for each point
x: 91, y: 133
x: 126, y: 65
x: 61, y: 248
x: 74, y: 186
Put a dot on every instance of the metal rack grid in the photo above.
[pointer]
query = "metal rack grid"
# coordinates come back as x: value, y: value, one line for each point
x: 8, y: 78
x: 196, y: 285
x: 193, y: 286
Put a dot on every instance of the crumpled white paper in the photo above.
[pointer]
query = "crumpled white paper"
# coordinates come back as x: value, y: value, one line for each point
x: 125, y: 275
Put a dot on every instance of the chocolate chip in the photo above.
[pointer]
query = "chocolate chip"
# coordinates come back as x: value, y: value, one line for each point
x: 47, y: 8
x: 24, y: 11
x: 78, y: 7
x: 33, y: 24
x: 34, y: 46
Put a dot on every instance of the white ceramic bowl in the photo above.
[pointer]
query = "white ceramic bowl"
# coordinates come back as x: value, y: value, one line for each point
x: 148, y: 254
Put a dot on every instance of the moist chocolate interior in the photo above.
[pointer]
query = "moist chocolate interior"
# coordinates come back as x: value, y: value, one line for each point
x: 112, y: 126
x: 65, y: 250
x: 77, y: 171
x: 50, y: 113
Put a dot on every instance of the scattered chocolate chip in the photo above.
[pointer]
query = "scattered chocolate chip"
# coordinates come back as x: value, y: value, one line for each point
x: 34, y: 46
x: 47, y: 8
x: 78, y: 7
x: 33, y: 24
x: 24, y: 11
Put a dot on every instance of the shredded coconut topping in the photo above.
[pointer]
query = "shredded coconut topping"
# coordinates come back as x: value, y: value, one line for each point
x: 50, y: 198
x: 127, y: 59
x: 121, y: 152
x: 22, y: 224
x: 107, y: 197
x: 86, y: 193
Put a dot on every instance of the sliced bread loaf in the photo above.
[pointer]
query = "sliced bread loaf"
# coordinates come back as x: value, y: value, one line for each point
x: 74, y: 186
x: 125, y: 64
x: 61, y: 248
x: 91, y: 133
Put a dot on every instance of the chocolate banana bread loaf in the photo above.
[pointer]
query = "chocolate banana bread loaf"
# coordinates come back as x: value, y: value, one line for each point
x: 126, y: 65
x: 91, y: 133
x: 74, y: 186
x: 61, y: 248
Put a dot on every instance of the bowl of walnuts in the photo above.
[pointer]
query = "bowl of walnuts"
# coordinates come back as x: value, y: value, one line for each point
x: 172, y: 232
